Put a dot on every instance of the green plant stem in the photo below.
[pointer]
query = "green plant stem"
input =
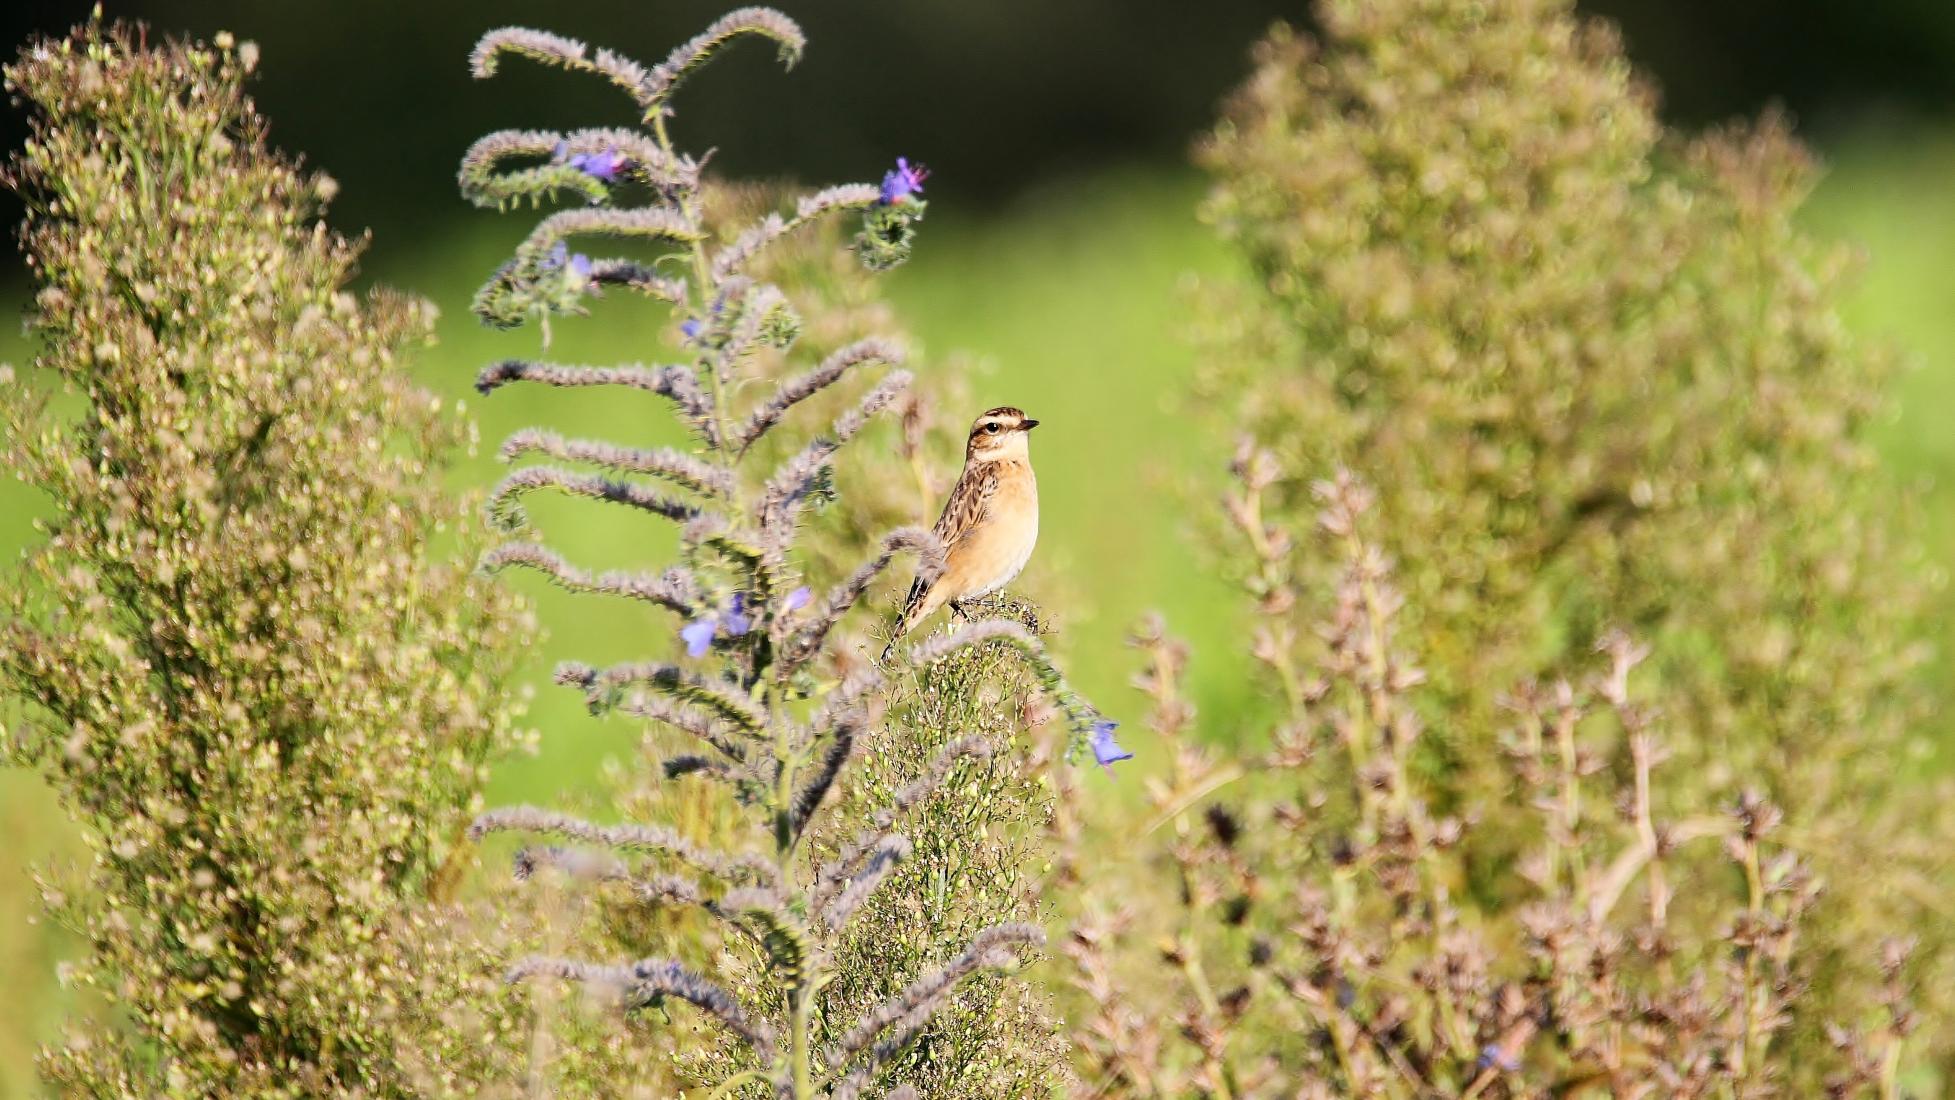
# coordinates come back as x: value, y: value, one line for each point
x: 702, y: 279
x: 728, y: 1086
x: 1755, y: 887
x: 1205, y: 996
x: 804, y: 1005
x: 1268, y: 559
x: 1571, y: 807
x: 1890, y: 1069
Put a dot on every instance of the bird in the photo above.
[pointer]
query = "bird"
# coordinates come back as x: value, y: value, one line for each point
x: 989, y: 524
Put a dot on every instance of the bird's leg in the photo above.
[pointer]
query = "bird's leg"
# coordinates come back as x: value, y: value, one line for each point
x: 957, y: 609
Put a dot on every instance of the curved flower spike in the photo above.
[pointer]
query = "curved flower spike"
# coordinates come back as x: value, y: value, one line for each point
x: 685, y: 59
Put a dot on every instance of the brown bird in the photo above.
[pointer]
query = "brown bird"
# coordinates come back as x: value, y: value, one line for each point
x: 990, y: 522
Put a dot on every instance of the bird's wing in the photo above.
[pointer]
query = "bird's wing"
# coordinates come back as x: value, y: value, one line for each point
x: 917, y: 588
x: 967, y: 504
x: 962, y: 512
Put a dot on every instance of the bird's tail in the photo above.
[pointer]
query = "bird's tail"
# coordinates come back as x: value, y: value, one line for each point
x: 915, y: 609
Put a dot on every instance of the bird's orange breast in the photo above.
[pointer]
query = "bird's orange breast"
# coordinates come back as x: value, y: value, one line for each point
x: 997, y: 548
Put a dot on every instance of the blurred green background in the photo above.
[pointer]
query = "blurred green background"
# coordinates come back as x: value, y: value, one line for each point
x: 1061, y: 234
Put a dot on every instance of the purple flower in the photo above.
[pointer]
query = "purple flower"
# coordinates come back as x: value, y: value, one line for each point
x: 736, y: 621
x: 1106, y: 751
x: 699, y: 635
x: 560, y: 258
x: 899, y: 183
x: 603, y: 165
x: 732, y: 621
x: 797, y: 599
x: 1493, y: 1055
x: 690, y: 328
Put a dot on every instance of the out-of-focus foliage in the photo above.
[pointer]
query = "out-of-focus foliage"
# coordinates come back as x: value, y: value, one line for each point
x: 241, y: 655
x: 29, y: 942
x: 1598, y: 378
x: 766, y: 886
x: 998, y: 96
x: 1327, y: 941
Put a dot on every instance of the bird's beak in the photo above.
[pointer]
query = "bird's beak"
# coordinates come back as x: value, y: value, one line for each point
x: 1027, y: 425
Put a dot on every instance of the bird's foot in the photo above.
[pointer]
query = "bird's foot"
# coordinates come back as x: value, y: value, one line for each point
x: 1004, y: 605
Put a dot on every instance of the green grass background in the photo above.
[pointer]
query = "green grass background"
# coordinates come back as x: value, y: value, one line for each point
x: 1073, y: 302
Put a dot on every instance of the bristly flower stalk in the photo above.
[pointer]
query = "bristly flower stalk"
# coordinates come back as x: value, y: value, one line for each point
x: 753, y: 634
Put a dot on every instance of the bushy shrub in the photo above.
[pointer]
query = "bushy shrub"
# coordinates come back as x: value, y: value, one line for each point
x: 810, y: 804
x: 977, y: 858
x: 1596, y: 375
x: 246, y: 662
x: 1328, y: 943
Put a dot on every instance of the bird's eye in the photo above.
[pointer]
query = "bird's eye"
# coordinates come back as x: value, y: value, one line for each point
x: 991, y: 429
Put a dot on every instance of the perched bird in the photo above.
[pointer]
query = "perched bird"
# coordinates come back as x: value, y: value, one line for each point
x: 989, y: 523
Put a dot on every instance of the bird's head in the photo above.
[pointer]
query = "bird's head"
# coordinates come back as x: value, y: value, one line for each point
x: 1000, y: 433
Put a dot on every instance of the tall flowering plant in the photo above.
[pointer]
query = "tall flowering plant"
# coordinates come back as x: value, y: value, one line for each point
x: 750, y: 678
